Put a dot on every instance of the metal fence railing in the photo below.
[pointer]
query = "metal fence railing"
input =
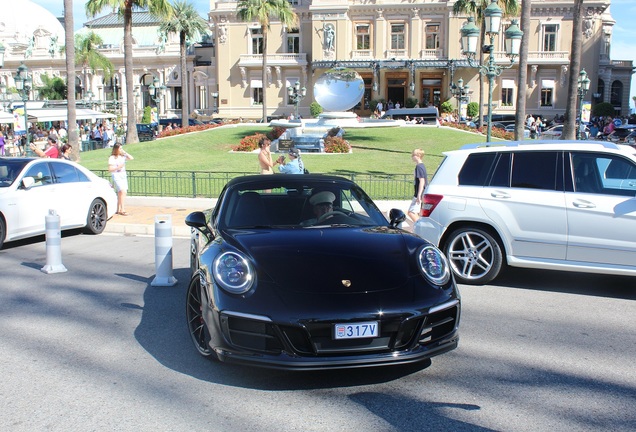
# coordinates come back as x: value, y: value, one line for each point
x: 198, y: 184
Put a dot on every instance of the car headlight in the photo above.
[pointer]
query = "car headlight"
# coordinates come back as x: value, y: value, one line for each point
x: 433, y: 265
x: 233, y: 272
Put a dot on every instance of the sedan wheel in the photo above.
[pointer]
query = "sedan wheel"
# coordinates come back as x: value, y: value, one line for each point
x: 194, y: 314
x: 474, y: 255
x: 97, y: 217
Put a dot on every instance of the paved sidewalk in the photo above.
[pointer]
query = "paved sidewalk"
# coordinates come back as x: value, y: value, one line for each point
x: 144, y: 212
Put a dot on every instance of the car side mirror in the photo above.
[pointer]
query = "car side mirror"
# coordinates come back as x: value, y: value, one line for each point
x: 27, y: 182
x: 196, y: 220
x: 396, y: 216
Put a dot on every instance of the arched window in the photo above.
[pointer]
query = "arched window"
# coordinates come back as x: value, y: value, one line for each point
x: 601, y: 90
x: 616, y: 97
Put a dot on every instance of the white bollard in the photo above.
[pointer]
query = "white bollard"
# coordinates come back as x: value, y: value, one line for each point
x: 163, y: 252
x: 53, y: 244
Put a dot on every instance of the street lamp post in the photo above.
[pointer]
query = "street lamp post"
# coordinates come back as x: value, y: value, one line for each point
x: 23, y: 83
x: 583, y: 85
x: 116, y: 99
x: 469, y: 36
x: 296, y: 94
x: 215, y: 96
x: 156, y: 91
x: 460, y: 91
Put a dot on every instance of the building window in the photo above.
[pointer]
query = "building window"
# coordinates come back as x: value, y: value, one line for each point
x: 397, y: 37
x: 363, y: 37
x: 432, y: 36
x: 293, y: 41
x: 257, y: 96
x: 257, y: 40
x: 256, y: 86
x: 616, y: 96
x: 507, y: 92
x: 550, y: 32
x: 547, y: 92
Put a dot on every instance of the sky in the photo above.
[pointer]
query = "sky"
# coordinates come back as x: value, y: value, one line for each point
x: 623, y: 36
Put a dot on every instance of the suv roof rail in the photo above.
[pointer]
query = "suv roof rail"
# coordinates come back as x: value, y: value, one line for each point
x: 606, y: 144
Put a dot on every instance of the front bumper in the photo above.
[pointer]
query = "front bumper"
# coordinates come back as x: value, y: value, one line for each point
x: 308, y: 345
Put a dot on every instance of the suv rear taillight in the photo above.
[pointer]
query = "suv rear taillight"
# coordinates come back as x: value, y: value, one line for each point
x: 429, y: 203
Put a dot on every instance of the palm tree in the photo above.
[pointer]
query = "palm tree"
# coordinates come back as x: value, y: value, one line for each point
x: 158, y: 8
x: 69, y: 46
x: 569, y: 125
x: 53, y: 88
x: 476, y: 8
x: 522, y: 84
x: 87, y: 55
x: 262, y: 11
x: 187, y: 22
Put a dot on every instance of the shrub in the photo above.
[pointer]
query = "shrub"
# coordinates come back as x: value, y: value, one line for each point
x: 446, y: 107
x: 249, y: 143
x: 276, y: 132
x: 315, y: 109
x: 178, y: 131
x: 472, y: 109
x: 411, y: 102
x: 336, y: 145
x: 603, y: 109
x: 147, y: 117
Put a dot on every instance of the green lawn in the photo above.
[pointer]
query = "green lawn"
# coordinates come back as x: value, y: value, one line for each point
x: 375, y: 151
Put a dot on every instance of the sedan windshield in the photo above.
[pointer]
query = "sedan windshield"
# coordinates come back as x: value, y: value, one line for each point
x: 292, y: 203
x: 10, y: 170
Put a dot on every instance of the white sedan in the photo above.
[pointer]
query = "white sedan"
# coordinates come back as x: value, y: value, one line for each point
x: 30, y: 187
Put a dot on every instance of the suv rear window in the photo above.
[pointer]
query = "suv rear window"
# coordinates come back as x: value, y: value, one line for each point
x: 476, y: 169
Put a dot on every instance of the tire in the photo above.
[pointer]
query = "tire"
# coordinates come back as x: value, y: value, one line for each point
x: 196, y: 324
x: 96, y: 218
x: 474, y: 255
x: 3, y: 232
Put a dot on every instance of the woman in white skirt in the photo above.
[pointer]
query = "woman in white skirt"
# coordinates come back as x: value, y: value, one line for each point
x: 117, y: 168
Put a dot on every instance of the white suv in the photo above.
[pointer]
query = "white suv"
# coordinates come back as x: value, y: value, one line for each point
x: 561, y: 205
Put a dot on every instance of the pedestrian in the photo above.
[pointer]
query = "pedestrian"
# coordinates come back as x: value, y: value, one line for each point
x: 419, y: 185
x: 265, y: 156
x: 51, y: 150
x: 2, y: 143
x: 117, y: 168
x: 65, y: 152
x: 293, y: 166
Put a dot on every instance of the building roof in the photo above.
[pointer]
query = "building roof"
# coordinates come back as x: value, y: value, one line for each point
x: 116, y: 20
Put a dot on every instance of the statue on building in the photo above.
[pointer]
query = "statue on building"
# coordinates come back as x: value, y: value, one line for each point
x: 53, y: 46
x: 29, y: 50
x: 330, y: 37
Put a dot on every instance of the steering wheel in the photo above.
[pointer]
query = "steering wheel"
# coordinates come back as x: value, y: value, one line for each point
x: 329, y: 215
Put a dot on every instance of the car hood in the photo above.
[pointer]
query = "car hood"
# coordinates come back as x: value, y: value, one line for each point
x: 315, y: 260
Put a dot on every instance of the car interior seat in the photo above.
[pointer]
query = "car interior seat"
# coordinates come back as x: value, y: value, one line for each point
x: 250, y: 211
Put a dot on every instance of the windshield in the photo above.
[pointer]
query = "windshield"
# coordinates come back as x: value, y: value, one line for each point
x: 295, y: 204
x: 10, y: 170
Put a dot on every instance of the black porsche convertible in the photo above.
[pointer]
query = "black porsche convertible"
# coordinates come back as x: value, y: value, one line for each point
x: 304, y: 272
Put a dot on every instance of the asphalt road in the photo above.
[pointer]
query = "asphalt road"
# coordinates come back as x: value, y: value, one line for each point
x: 98, y: 348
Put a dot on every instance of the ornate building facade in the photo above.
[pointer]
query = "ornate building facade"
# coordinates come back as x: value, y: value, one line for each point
x: 406, y: 50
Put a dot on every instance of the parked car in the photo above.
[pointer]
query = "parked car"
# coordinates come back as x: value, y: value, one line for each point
x: 553, y: 132
x: 30, y: 187
x: 276, y: 285
x: 560, y: 205
x: 631, y: 138
x: 526, y: 130
x: 177, y: 121
x: 145, y: 132
x: 621, y: 133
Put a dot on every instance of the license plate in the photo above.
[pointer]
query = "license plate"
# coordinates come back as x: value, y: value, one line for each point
x: 356, y: 330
